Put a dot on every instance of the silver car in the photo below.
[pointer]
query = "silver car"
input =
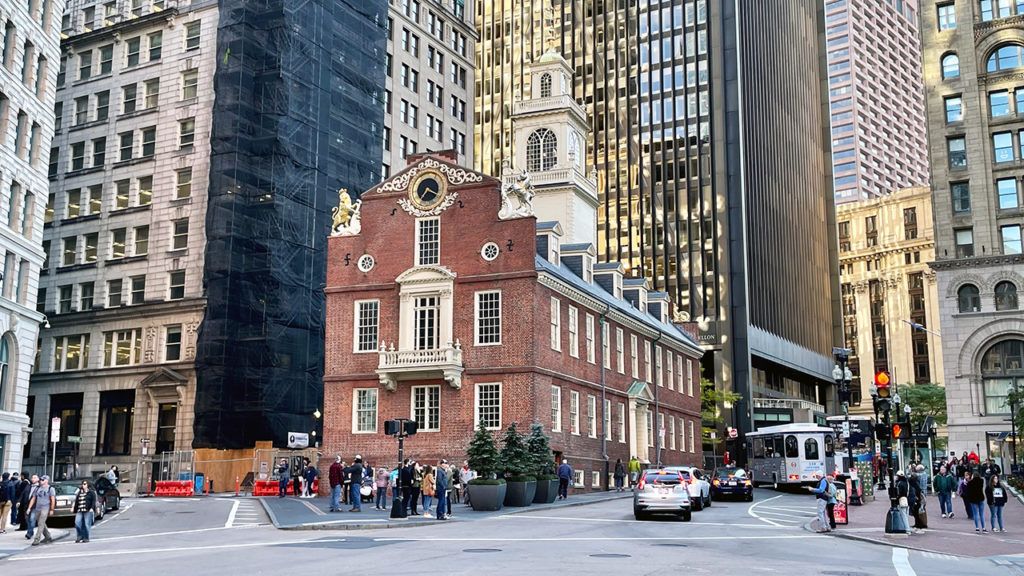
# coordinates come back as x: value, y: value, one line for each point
x: 661, y: 492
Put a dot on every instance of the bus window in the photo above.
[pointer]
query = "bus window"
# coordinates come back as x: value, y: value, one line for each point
x: 830, y: 447
x: 777, y: 447
x: 811, y: 449
x: 758, y: 448
x: 791, y: 447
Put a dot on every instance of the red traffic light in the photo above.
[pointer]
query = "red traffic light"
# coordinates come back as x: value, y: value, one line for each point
x: 882, y: 384
x: 897, y: 430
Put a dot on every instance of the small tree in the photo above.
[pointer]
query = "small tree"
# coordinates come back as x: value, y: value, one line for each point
x: 514, y: 456
x: 711, y: 399
x: 539, y: 448
x: 482, y: 454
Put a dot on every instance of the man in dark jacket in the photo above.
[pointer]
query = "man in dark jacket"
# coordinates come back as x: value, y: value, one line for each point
x: 6, y: 497
x: 564, y: 476
x: 24, y: 514
x: 355, y: 478
x: 84, y: 508
x: 334, y: 476
x: 282, y: 472
x: 441, y: 489
x: 405, y: 484
x: 945, y: 485
x: 310, y: 474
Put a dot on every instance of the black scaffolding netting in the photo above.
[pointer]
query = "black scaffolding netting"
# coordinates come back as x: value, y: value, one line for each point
x: 298, y: 114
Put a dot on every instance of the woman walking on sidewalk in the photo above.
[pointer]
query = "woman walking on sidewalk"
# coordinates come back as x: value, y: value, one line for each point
x: 995, y: 494
x: 974, y: 495
x: 427, y: 489
x: 945, y: 484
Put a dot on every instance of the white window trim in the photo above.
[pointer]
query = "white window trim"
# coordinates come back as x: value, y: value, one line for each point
x: 689, y: 377
x: 591, y: 357
x: 620, y: 354
x: 671, y: 433
x: 181, y: 341
x: 556, y: 324
x: 592, y: 415
x: 355, y: 411
x: 412, y: 406
x: 606, y: 419
x: 574, y: 332
x: 476, y: 317
x: 691, y: 437
x: 416, y: 247
x: 595, y: 479
x: 355, y: 327
x: 658, y: 355
x: 577, y: 479
x: 574, y: 416
x: 476, y: 404
x: 556, y: 422
x: 634, y: 356
x: 670, y: 372
x: 606, y: 345
x: 647, y: 362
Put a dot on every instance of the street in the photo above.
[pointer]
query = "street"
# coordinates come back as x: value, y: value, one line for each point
x: 229, y: 536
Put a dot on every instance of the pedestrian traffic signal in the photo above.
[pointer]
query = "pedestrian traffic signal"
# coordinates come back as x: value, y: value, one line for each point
x: 881, y: 432
x: 882, y: 384
x: 900, y: 432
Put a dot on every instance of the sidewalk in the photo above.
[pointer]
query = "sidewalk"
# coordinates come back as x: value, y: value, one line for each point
x: 13, y: 541
x: 944, y: 535
x: 311, y: 513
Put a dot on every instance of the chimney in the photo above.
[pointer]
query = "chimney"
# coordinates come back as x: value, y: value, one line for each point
x: 580, y: 259
x: 635, y: 291
x: 608, y: 275
x: 549, y: 236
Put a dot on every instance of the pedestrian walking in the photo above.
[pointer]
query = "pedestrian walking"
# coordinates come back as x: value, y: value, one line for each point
x: 381, y: 481
x: 917, y: 499
x: 427, y: 488
x: 282, y: 476
x: 355, y: 479
x: 25, y: 520
x: 455, y: 477
x: 995, y: 495
x: 6, y: 498
x: 441, y: 489
x: 634, y: 471
x: 821, y: 499
x: 830, y: 507
x: 465, y: 475
x: 974, y: 495
x: 84, y: 509
x: 310, y: 474
x: 620, y: 474
x: 18, y: 484
x: 990, y: 469
x: 346, y: 484
x: 564, y: 476
x: 334, y: 474
x: 945, y: 487
x: 43, y: 501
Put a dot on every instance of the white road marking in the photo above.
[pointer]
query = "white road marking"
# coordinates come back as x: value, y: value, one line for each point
x: 137, y: 536
x: 120, y: 512
x: 771, y: 512
x: 163, y: 550
x: 750, y: 511
x: 602, y: 538
x: 940, y: 556
x: 616, y: 520
x: 231, y: 515
x: 901, y: 561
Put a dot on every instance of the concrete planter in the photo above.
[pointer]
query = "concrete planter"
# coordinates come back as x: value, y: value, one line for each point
x: 547, y: 491
x: 486, y: 497
x: 520, y: 494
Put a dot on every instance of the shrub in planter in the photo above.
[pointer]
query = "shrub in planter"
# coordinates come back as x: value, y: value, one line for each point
x: 543, y: 465
x: 515, y: 457
x: 485, y: 491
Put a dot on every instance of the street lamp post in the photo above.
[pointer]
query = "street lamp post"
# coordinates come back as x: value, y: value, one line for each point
x: 843, y: 376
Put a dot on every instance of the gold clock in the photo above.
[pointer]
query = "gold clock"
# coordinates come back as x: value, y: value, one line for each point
x: 427, y: 190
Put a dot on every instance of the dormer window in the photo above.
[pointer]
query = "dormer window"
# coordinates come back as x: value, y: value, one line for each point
x: 588, y: 269
x: 428, y: 241
x: 553, y: 248
x: 545, y: 85
x: 617, y: 284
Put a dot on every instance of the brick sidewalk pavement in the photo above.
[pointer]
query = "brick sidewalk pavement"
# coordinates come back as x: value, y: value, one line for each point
x: 943, y: 535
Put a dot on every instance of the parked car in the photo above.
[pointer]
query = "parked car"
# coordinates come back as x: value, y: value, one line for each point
x: 107, y: 497
x: 661, y: 491
x: 107, y: 493
x: 696, y: 484
x: 731, y: 481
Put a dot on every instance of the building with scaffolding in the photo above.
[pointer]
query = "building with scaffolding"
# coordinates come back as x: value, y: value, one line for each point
x: 28, y: 73
x: 199, y: 147
x: 710, y: 139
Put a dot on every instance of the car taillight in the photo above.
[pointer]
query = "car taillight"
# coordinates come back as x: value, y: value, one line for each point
x: 747, y: 482
x: 641, y: 484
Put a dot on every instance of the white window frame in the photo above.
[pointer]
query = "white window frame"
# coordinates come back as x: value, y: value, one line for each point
x: 606, y: 418
x: 634, y: 356
x: 649, y: 422
x: 357, y: 327
x: 181, y: 341
x: 658, y: 356
x: 595, y: 479
x: 356, y: 409
x: 574, y: 412
x: 682, y: 435
x: 689, y: 377
x: 574, y: 332
x: 556, y: 324
x: 619, y: 353
x: 577, y: 479
x: 691, y: 437
x: 477, y: 318
x: 660, y: 425
x: 591, y: 415
x: 590, y: 339
x: 670, y: 376
x: 427, y: 408
x: 606, y: 345
x: 556, y: 408
x: 622, y: 422
x: 60, y: 343
x: 671, y: 434
x: 679, y: 374
x: 647, y: 363
x: 476, y: 404
x: 419, y: 243
x: 135, y: 354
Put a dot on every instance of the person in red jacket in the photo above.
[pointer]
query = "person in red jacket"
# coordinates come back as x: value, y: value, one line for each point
x: 334, y: 476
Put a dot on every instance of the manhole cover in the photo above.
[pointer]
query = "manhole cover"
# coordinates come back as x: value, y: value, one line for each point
x: 481, y: 550
x: 610, y: 556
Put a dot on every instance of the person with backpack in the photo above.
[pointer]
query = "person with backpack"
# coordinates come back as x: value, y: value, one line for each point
x: 830, y: 507
x: 821, y: 494
x: 6, y: 496
x: 620, y: 474
x: 44, y: 500
x: 945, y: 486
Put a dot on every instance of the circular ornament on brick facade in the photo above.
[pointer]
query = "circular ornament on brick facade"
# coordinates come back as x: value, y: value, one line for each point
x: 365, y: 263
x: 490, y: 251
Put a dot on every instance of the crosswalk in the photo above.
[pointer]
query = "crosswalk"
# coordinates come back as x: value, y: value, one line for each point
x: 785, y: 513
x: 249, y: 512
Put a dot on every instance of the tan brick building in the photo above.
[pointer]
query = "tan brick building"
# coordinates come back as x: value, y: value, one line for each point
x: 885, y: 246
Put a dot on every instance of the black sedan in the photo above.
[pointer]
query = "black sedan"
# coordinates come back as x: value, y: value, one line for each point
x: 733, y: 482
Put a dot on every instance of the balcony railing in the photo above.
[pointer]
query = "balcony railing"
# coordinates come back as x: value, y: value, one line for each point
x: 788, y: 404
x: 445, y: 361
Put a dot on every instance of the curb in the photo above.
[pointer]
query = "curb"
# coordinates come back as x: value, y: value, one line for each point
x: 56, y: 538
x: 403, y: 523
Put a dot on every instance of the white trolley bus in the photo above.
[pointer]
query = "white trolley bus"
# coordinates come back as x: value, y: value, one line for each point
x: 790, y: 454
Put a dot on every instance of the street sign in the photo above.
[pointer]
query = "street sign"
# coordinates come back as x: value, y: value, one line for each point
x: 55, y: 429
x: 75, y: 439
x: 713, y: 435
x: 145, y: 446
x: 846, y: 430
x: 298, y: 440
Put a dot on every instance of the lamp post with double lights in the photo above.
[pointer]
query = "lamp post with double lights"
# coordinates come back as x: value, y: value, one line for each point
x: 843, y: 376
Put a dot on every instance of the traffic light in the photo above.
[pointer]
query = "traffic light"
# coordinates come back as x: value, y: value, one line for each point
x: 900, y: 432
x: 401, y: 427
x: 882, y: 384
x: 881, y: 432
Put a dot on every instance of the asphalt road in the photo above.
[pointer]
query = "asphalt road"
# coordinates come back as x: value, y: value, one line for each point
x: 201, y: 536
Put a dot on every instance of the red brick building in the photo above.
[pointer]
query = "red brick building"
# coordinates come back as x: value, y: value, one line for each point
x: 449, y: 303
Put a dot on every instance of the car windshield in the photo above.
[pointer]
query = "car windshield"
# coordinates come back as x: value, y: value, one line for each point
x: 684, y: 473
x: 65, y: 489
x: 731, y: 473
x: 662, y: 477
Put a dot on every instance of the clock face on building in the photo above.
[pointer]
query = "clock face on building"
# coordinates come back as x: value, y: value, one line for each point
x: 427, y: 190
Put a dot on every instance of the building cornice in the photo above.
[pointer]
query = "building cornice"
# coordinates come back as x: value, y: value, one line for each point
x: 979, y: 262
x: 123, y: 313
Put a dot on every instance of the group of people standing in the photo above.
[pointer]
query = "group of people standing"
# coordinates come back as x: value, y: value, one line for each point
x: 978, y: 484
x: 27, y: 501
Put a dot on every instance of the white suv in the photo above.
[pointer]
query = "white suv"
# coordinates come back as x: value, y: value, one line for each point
x: 696, y: 484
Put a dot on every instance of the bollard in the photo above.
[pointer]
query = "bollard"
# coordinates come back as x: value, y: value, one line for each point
x: 149, y: 485
x: 236, y: 485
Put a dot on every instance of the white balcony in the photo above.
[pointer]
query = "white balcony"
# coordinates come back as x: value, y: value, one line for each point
x: 444, y: 362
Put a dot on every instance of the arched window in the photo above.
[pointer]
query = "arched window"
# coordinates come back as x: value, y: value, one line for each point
x: 1006, y: 296
x: 968, y: 298
x: 1002, y: 370
x: 811, y: 449
x: 541, y: 150
x: 830, y: 446
x: 1006, y: 57
x: 950, y: 66
x: 545, y: 85
x: 6, y: 374
x: 791, y: 447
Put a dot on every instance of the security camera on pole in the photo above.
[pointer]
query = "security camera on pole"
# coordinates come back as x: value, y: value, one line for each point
x: 399, y: 428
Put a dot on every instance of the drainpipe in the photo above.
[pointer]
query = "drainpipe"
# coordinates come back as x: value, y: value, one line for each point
x: 604, y: 404
x: 654, y: 425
